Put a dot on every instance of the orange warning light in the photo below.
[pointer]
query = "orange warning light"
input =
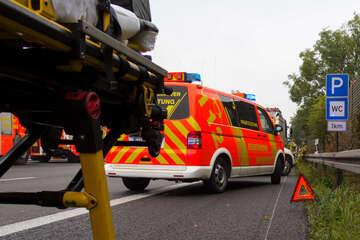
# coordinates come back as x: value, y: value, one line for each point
x: 303, y: 191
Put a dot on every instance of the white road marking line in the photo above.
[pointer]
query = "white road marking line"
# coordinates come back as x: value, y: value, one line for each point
x: 275, y: 206
x: 15, y: 179
x: 40, y: 221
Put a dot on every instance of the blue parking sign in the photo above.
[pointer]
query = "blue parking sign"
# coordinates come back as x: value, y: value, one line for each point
x: 337, y: 85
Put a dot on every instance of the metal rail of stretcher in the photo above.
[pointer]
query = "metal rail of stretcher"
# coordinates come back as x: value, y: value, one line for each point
x: 32, y: 81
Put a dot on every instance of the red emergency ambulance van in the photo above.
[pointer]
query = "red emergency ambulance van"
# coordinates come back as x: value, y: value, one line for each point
x: 11, y: 131
x: 209, y: 135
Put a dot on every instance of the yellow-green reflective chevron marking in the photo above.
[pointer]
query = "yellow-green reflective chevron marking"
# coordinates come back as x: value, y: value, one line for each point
x: 112, y: 149
x: 193, y: 123
x: 181, y: 128
x: 161, y: 159
x: 175, y: 140
x: 120, y: 154
x: 173, y: 155
x: 134, y: 155
x: 122, y: 136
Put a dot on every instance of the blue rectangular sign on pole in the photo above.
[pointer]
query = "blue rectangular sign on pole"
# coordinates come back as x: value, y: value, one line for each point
x: 337, y: 109
x: 337, y: 85
x: 337, y: 93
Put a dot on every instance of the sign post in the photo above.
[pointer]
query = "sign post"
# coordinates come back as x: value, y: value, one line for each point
x: 337, y: 103
x: 316, y: 145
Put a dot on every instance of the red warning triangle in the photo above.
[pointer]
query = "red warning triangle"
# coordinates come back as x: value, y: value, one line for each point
x: 302, y: 191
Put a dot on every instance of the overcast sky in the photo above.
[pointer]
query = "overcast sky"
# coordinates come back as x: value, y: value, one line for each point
x: 250, y: 46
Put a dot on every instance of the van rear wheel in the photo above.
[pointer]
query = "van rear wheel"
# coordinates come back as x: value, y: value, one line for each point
x: 136, y: 184
x: 45, y: 158
x: 276, y: 176
x: 23, y: 159
x: 219, y: 177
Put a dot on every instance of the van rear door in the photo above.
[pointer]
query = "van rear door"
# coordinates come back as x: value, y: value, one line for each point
x: 177, y: 105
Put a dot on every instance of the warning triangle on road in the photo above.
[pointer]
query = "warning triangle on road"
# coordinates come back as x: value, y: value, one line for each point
x: 302, y: 191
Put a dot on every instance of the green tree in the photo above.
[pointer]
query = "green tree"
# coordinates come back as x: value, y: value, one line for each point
x: 335, y: 52
x: 316, y: 122
x: 299, y: 126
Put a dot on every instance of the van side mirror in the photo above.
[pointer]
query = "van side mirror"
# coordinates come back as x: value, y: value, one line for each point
x: 278, y: 128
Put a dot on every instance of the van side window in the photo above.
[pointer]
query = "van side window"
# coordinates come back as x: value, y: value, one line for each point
x: 230, y: 110
x: 247, y: 115
x: 266, y: 123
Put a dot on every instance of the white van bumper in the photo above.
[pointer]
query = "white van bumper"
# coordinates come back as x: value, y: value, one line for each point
x: 158, y: 171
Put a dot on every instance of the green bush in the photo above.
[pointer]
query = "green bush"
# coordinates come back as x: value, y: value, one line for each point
x: 335, y: 214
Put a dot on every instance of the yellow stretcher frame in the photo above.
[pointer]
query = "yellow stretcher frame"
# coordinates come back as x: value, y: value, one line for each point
x: 92, y: 165
x: 95, y: 196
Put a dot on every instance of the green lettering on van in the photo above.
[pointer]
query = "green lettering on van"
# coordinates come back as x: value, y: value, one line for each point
x: 273, y: 145
x: 241, y: 146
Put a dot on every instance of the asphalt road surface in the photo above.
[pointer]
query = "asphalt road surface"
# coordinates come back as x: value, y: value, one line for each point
x: 251, y: 208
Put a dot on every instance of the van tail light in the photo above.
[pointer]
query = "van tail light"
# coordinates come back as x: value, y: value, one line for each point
x: 194, y: 140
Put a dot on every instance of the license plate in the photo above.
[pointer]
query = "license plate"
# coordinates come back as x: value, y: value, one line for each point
x: 136, y: 139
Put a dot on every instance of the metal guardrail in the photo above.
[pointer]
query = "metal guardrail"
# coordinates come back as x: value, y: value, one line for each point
x: 346, y: 160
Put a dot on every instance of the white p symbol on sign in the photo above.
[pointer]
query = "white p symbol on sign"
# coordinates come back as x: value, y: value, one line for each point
x: 334, y: 80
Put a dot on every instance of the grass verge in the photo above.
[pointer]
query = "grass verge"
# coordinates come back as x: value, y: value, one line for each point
x: 335, y: 214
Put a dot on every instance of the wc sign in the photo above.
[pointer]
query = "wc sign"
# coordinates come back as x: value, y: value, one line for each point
x: 337, y: 92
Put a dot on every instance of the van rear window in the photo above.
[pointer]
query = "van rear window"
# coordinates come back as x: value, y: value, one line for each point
x: 176, y: 104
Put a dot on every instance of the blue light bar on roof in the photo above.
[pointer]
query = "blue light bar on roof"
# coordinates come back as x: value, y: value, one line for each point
x: 250, y: 97
x: 191, y: 77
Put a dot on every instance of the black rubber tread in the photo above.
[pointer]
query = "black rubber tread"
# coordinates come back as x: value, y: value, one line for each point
x: 72, y: 158
x: 286, y: 172
x: 23, y: 159
x: 136, y: 184
x: 44, y: 159
x: 276, y: 176
x: 211, y: 185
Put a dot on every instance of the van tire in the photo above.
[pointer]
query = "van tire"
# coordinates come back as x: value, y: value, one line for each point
x: 136, y: 184
x: 276, y: 176
x: 219, y: 177
x: 72, y: 158
x: 287, y: 165
x: 23, y: 159
x: 45, y: 158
